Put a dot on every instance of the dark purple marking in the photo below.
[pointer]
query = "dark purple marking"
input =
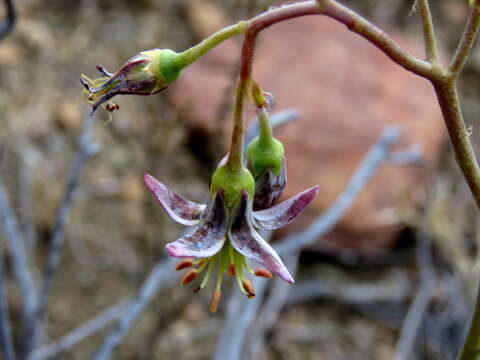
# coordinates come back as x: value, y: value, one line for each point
x: 206, y: 239
x: 245, y: 239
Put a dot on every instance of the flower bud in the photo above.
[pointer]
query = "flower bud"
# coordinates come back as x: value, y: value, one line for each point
x: 266, y: 161
x: 145, y: 74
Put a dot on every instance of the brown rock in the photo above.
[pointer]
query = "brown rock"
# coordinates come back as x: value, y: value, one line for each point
x: 347, y: 92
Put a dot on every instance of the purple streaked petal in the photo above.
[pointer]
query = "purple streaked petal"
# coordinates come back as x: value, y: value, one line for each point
x: 179, y: 209
x: 245, y: 239
x: 269, y: 187
x: 283, y: 213
x: 207, y: 238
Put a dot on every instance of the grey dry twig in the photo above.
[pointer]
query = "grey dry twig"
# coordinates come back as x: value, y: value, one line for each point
x: 86, y: 148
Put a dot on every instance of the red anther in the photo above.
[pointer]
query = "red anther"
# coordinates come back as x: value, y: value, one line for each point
x: 248, y: 287
x: 110, y: 107
x: 189, y: 276
x: 215, y: 301
x: 231, y: 270
x: 183, y: 264
x: 117, y: 107
x: 263, y: 273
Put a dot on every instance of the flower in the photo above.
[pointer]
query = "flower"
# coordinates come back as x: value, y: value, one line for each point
x: 225, y: 233
x: 146, y: 73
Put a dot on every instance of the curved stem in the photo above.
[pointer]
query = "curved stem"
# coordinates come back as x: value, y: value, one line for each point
x: 466, y: 42
x: 190, y: 55
x: 377, y: 37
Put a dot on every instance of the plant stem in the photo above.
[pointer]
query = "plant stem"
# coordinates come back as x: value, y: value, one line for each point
x: 265, y: 132
x: 428, y: 31
x: 376, y: 36
x: 466, y: 42
x: 448, y: 100
x: 255, y: 25
x: 195, y: 52
x: 471, y: 348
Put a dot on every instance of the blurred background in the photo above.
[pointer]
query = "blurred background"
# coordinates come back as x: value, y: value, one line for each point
x: 355, y: 285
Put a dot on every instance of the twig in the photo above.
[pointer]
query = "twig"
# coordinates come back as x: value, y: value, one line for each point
x: 85, y: 150
x: 274, y: 304
x: 159, y: 277
x: 375, y: 157
x: 10, y: 18
x: 6, y: 344
x: 428, y: 31
x: 466, y: 42
x: 351, y: 294
x: 241, y: 313
x: 75, y: 336
x: 18, y: 255
x: 419, y: 306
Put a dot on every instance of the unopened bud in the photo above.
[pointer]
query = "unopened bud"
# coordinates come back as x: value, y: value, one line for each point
x: 189, y: 276
x: 263, y: 273
x: 215, y: 301
x: 183, y: 264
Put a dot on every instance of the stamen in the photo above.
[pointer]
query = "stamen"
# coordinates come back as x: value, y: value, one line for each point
x: 248, y: 287
x: 211, y: 264
x: 189, y: 276
x: 183, y: 264
x: 231, y: 270
x: 215, y: 301
x: 263, y: 273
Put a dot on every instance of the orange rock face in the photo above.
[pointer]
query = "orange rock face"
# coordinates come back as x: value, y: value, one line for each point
x: 347, y: 92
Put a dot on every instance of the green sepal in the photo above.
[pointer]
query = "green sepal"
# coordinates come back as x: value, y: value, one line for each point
x: 262, y: 155
x: 233, y: 182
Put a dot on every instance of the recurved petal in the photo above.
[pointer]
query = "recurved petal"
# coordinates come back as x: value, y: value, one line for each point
x: 179, y: 209
x: 245, y: 239
x: 283, y: 213
x: 208, y: 237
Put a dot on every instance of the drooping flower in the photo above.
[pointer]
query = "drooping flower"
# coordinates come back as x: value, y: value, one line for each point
x: 146, y: 73
x: 224, y: 231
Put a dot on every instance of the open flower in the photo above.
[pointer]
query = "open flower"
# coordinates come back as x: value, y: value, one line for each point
x: 225, y: 233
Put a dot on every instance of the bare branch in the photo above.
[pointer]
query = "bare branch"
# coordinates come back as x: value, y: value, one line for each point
x: 159, y: 278
x: 10, y: 19
x: 273, y: 306
x: 85, y: 150
x: 396, y: 290
x: 466, y: 42
x: 6, y: 344
x: 75, y: 336
x: 16, y: 244
x: 233, y: 335
x: 419, y: 306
